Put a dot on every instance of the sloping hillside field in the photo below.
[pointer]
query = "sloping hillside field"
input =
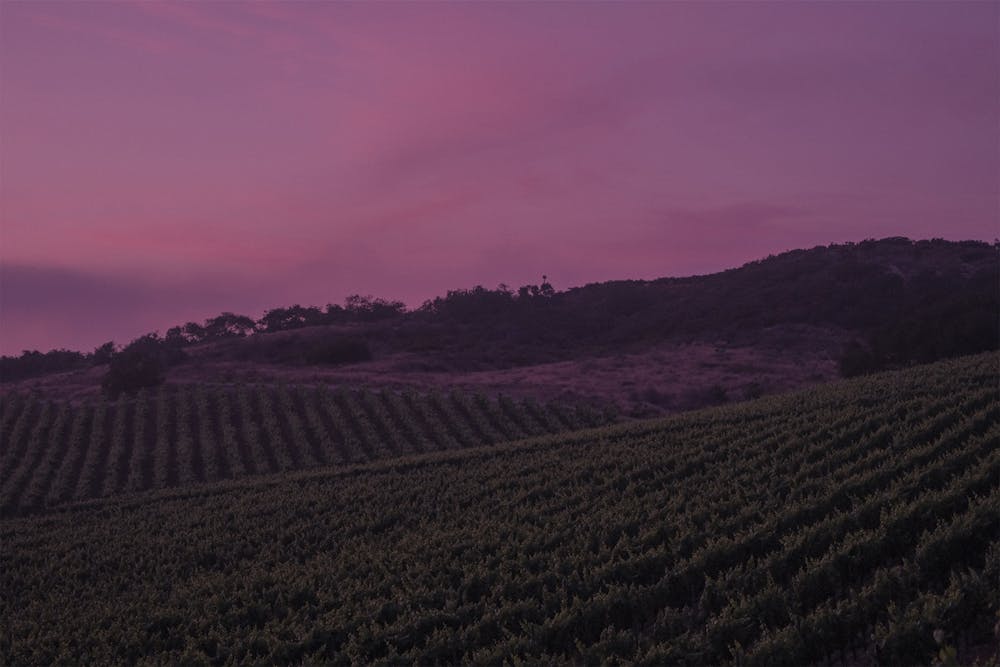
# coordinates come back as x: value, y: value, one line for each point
x: 52, y: 452
x: 845, y: 523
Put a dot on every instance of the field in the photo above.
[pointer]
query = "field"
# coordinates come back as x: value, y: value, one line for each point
x: 53, y: 452
x: 845, y: 523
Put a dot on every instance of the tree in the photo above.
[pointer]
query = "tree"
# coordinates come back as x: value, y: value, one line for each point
x: 33, y: 362
x: 103, y: 354
x: 545, y: 290
x: 370, y: 308
x: 293, y: 317
x: 193, y: 332
x: 142, y: 363
x: 229, y: 325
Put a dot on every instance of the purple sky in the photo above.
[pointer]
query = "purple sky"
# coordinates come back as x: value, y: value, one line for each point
x: 163, y: 162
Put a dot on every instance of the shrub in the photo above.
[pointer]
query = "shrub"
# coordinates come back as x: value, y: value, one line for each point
x: 143, y: 363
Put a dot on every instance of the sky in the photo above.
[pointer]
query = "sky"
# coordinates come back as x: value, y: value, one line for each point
x: 164, y: 162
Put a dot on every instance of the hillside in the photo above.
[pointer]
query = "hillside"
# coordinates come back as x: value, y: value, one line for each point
x: 845, y: 523
x: 651, y: 347
x: 52, y: 452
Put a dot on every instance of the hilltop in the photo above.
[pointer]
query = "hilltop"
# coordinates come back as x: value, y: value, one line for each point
x: 776, y: 324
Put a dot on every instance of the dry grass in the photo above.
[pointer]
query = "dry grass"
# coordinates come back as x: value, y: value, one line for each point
x: 667, y: 378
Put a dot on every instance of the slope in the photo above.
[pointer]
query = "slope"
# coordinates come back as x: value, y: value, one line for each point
x: 861, y: 516
x: 651, y: 346
x: 54, y: 451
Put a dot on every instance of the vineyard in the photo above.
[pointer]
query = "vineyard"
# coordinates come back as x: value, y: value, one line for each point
x: 52, y: 453
x: 846, y: 524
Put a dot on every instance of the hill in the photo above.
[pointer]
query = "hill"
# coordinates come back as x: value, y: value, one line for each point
x: 848, y: 523
x: 52, y: 452
x: 777, y: 324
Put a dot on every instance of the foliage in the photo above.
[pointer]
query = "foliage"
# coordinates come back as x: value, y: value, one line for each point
x: 170, y: 436
x: 295, y: 317
x: 142, y: 363
x: 368, y: 308
x: 32, y: 363
x: 902, y: 302
x: 845, y: 524
x: 480, y: 304
x: 103, y: 354
x: 227, y: 325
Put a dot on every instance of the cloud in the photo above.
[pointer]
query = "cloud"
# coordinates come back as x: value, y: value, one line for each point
x: 43, y: 307
x: 304, y: 151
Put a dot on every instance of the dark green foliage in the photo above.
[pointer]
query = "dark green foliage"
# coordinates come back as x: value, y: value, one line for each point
x: 906, y: 302
x: 356, y: 309
x: 180, y: 435
x: 938, y: 315
x: 142, y: 363
x: 228, y: 325
x: 903, y: 301
x: 293, y: 348
x: 33, y: 362
x: 480, y: 304
x: 102, y: 354
x: 295, y: 317
x: 856, y: 359
x: 369, y: 308
x: 854, y: 524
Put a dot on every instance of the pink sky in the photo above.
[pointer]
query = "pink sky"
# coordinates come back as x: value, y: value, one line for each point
x: 162, y: 162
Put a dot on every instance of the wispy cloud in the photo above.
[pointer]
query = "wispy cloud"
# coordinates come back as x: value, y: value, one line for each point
x: 406, y: 149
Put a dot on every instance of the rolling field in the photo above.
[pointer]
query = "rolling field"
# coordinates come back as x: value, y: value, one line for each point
x: 842, y: 524
x: 53, y: 452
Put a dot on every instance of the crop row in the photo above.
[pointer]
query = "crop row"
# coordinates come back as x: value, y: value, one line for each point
x: 842, y: 525
x: 57, y: 452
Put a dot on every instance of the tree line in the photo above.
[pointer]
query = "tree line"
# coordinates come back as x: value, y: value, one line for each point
x: 143, y: 361
x: 167, y: 348
x: 903, y: 302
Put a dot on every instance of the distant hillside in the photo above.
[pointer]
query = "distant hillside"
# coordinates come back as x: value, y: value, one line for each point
x: 848, y: 309
x: 907, y: 301
x: 852, y: 524
x: 898, y: 301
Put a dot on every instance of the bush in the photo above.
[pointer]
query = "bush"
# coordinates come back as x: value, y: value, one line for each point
x: 856, y: 360
x: 103, y: 354
x: 32, y: 363
x: 143, y: 363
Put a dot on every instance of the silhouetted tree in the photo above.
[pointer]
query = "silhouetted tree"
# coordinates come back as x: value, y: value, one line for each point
x: 175, y: 336
x: 103, y: 354
x: 142, y: 363
x: 473, y: 305
x: 293, y: 317
x: 370, y: 308
x: 545, y: 290
x: 193, y: 332
x: 228, y: 325
x: 334, y: 314
x: 33, y: 362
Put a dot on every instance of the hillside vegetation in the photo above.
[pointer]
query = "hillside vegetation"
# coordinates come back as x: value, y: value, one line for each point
x: 847, y: 523
x: 53, y: 452
x: 892, y: 302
